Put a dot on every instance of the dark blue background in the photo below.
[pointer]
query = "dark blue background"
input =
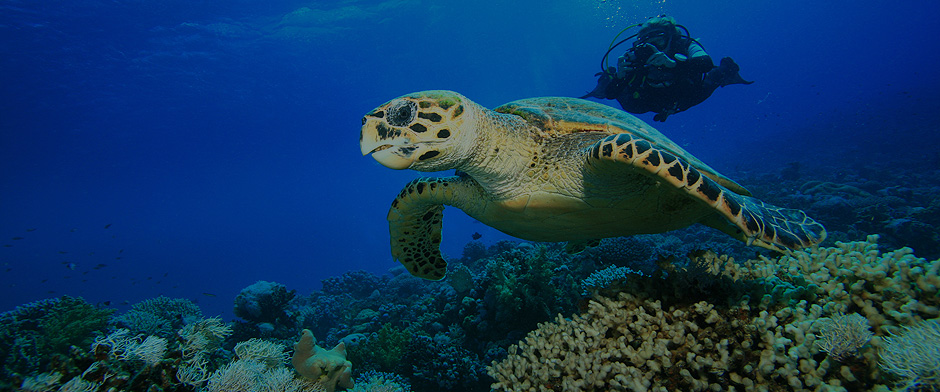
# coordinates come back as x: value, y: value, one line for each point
x: 218, y: 139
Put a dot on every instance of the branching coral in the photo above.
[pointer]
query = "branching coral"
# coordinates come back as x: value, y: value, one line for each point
x: 637, y: 343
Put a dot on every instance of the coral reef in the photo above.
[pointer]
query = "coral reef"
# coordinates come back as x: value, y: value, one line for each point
x: 373, y: 381
x: 35, y: 334
x: 264, y: 302
x: 647, y: 340
x: 382, y: 350
x: 251, y: 376
x: 160, y: 316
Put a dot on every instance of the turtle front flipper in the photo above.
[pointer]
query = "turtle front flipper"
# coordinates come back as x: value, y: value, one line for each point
x: 754, y: 221
x: 415, y: 221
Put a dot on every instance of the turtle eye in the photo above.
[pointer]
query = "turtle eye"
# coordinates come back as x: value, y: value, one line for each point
x: 401, y: 113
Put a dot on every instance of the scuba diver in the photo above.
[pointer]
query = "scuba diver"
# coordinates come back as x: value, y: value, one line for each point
x: 666, y: 71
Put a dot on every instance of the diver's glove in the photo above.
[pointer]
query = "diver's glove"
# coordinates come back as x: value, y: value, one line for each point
x: 660, y: 59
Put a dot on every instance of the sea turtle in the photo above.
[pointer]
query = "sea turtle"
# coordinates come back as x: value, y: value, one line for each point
x: 554, y: 169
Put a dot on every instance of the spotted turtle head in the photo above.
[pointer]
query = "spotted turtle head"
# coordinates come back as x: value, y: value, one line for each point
x: 419, y: 131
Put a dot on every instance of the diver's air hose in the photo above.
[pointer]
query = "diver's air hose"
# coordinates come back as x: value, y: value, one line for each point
x: 612, y: 45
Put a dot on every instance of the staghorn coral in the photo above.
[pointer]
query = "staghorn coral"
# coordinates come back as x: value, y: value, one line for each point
x: 635, y: 343
x: 601, y: 280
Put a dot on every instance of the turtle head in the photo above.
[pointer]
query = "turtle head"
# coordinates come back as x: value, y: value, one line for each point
x: 420, y: 131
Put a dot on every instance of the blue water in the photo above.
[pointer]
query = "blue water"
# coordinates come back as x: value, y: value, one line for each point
x: 191, y: 148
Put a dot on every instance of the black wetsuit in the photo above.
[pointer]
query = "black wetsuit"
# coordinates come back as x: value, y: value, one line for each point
x: 646, y: 88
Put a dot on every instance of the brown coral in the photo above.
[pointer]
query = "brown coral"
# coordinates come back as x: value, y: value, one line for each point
x: 329, y: 367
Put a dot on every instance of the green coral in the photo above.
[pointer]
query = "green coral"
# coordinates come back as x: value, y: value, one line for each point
x: 525, y: 284
x: 383, y: 351
x: 32, y: 334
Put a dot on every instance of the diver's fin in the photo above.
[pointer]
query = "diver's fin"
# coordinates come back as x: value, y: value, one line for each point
x: 603, y: 86
x: 729, y: 73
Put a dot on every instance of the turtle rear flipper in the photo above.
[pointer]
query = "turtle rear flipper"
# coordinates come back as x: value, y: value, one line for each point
x: 756, y: 222
x: 778, y: 228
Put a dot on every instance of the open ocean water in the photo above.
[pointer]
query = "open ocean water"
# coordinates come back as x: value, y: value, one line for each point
x: 189, y: 149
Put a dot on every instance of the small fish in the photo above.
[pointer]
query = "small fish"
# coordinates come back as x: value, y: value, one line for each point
x: 17, y: 238
x: 121, y: 251
x: 165, y: 274
x: 100, y: 266
x: 476, y: 236
x: 208, y: 294
x: 44, y: 281
x: 106, y: 303
x: 31, y: 229
x: 7, y: 246
x: 126, y: 302
x: 71, y: 266
x: 107, y: 226
x: 9, y: 269
x: 117, y: 258
x: 50, y: 292
x: 72, y: 230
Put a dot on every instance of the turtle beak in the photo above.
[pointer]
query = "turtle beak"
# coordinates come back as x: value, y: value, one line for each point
x: 392, y: 147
